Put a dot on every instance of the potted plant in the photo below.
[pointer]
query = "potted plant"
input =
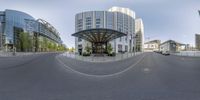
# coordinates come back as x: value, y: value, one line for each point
x: 110, y: 50
x: 88, y: 51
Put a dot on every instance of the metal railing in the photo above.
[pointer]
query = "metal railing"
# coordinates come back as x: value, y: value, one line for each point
x: 16, y: 54
x: 105, y: 58
x: 188, y: 53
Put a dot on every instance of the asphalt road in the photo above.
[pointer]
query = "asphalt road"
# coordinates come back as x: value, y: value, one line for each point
x: 149, y: 76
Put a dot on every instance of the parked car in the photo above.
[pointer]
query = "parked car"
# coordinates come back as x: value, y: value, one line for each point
x: 165, y: 53
x: 160, y: 52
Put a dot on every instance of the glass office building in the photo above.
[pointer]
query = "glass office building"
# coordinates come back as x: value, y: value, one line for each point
x: 8, y: 20
x: 119, y: 21
x: 12, y: 20
x: 197, y: 41
x: 139, y: 31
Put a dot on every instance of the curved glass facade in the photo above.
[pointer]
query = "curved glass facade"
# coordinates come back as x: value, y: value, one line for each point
x: 47, y: 30
x: 14, y: 19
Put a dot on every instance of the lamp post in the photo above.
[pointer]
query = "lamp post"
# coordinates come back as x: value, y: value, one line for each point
x: 133, y: 39
x: 134, y: 44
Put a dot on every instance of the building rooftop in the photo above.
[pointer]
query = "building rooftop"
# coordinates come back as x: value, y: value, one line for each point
x: 153, y: 41
x: 173, y: 41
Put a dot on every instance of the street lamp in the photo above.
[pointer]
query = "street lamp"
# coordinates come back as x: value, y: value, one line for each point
x: 133, y: 39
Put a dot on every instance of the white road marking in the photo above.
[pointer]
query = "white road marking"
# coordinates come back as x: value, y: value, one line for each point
x: 89, y: 75
x: 146, y: 69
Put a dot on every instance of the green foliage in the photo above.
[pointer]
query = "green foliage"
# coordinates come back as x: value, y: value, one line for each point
x: 45, y: 44
x: 109, y: 48
x: 67, y: 49
x: 72, y: 49
x: 29, y: 43
x: 54, y: 47
x: 88, y: 49
x: 62, y: 48
x: 112, y: 54
x: 25, y: 42
x: 86, y: 54
x: 49, y: 46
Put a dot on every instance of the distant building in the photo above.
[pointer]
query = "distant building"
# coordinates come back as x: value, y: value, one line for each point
x: 139, y: 32
x: 189, y: 47
x: 197, y: 41
x: 172, y: 46
x: 152, y: 45
x: 2, y: 25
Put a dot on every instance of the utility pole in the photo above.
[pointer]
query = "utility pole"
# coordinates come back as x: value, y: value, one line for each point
x: 133, y: 38
x: 199, y: 12
x: 134, y: 44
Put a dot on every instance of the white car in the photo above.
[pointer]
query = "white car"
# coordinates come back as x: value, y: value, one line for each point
x: 165, y: 53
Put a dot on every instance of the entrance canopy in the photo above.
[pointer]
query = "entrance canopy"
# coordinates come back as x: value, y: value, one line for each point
x: 98, y: 35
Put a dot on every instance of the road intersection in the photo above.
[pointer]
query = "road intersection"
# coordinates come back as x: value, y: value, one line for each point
x: 149, y: 76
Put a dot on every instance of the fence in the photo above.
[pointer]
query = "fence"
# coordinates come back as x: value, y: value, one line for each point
x: 11, y: 54
x: 188, y: 53
x: 92, y: 58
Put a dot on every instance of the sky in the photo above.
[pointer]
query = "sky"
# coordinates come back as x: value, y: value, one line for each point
x: 163, y: 19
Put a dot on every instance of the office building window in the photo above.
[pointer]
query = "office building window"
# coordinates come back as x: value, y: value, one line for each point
x: 98, y: 23
x: 119, y: 48
x: 88, y: 23
x: 79, y: 39
x: 126, y: 48
x: 126, y: 39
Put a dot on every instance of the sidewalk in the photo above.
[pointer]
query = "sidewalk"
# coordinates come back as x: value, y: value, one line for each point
x: 93, y: 58
x: 19, y: 54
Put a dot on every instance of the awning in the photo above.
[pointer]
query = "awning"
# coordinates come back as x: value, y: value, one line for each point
x: 98, y: 35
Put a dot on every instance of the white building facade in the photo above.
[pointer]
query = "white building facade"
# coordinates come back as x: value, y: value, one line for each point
x: 197, y: 41
x: 139, y: 34
x: 172, y: 46
x: 153, y: 45
x: 116, y: 18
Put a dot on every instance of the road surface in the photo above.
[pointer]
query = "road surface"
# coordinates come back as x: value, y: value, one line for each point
x: 149, y: 76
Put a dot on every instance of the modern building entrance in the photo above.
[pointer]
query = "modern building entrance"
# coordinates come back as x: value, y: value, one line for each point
x: 99, y: 38
x: 99, y: 47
